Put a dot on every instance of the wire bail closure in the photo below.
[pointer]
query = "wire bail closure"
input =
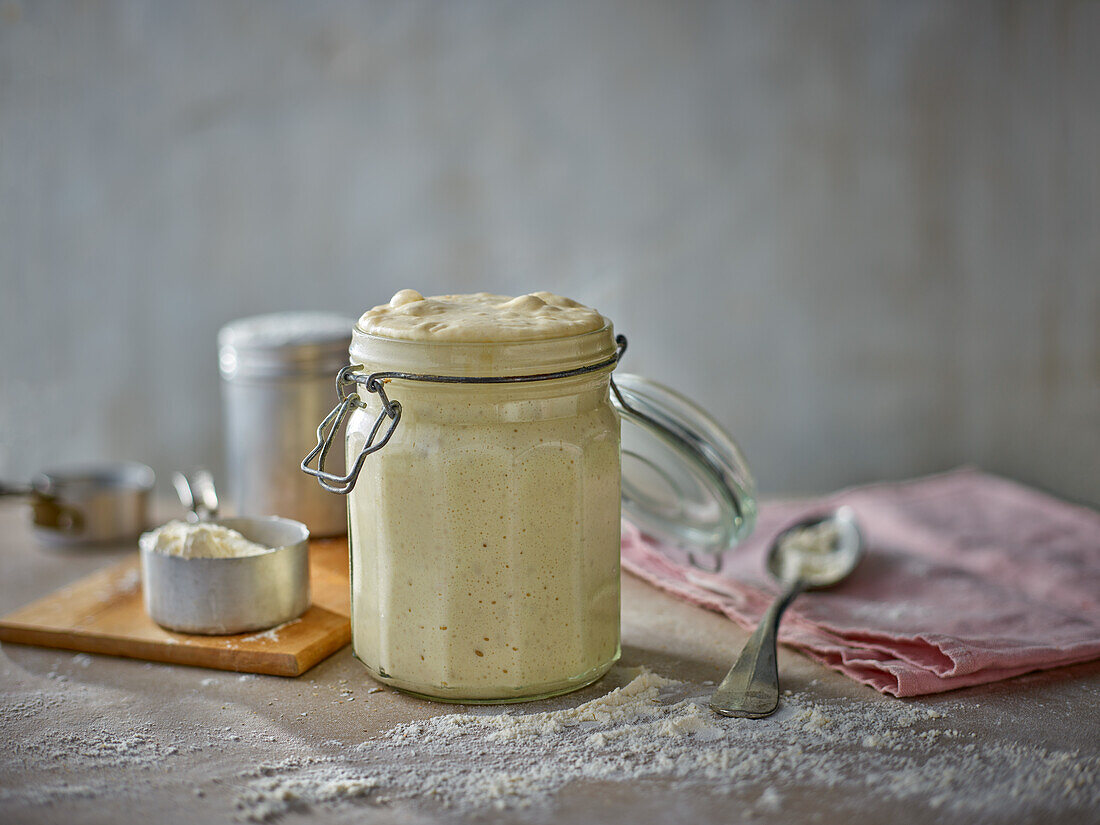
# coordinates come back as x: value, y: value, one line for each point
x: 348, y: 380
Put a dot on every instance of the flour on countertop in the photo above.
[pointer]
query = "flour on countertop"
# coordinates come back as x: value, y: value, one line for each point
x: 657, y: 728
x: 469, y: 764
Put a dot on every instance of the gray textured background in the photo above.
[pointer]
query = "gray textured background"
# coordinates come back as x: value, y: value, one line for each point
x: 865, y: 236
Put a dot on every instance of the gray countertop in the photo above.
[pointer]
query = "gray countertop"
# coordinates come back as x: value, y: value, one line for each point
x: 100, y: 739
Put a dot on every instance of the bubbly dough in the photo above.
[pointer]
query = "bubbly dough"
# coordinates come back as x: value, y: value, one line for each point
x: 480, y: 318
x: 200, y: 541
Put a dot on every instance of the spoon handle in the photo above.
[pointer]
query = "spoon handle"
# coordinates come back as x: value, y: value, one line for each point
x: 751, y: 688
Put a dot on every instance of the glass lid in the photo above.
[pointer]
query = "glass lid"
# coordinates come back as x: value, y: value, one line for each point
x: 685, y: 481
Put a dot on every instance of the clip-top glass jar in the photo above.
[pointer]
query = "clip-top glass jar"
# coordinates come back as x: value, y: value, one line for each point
x: 484, y: 526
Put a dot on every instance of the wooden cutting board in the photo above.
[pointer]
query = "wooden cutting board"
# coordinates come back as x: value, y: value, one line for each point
x: 104, y: 613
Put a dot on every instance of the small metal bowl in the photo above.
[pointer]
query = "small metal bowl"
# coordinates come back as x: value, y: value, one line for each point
x: 231, y: 595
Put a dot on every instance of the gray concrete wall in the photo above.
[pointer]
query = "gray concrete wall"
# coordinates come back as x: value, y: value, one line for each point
x: 866, y: 236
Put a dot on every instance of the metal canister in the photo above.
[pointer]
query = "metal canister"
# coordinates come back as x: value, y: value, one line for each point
x: 276, y: 385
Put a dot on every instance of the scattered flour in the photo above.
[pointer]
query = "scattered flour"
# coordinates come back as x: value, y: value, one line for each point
x: 271, y: 635
x: 98, y: 747
x: 28, y: 707
x: 270, y: 793
x: 650, y: 731
x: 658, y: 728
x: 127, y: 582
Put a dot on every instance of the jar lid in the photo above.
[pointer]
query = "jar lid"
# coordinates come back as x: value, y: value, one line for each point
x: 284, y: 344
x: 684, y: 479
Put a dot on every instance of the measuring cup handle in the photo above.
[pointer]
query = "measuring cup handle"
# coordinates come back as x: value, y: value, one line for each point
x: 9, y: 488
x: 198, y: 494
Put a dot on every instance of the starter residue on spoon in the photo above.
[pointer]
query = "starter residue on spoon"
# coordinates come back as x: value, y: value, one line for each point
x: 200, y: 541
x: 809, y: 553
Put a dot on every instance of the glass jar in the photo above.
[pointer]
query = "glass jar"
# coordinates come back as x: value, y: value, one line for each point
x: 485, y: 492
x: 485, y: 536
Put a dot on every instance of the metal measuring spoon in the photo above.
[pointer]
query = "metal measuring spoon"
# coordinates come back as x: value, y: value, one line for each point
x: 815, y: 553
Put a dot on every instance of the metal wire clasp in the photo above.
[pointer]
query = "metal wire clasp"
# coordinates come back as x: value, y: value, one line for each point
x: 347, y: 381
x: 350, y: 400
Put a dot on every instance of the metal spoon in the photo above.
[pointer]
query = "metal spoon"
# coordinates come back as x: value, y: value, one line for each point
x: 815, y: 553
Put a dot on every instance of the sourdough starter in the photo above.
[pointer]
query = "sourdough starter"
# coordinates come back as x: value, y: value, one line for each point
x: 485, y: 534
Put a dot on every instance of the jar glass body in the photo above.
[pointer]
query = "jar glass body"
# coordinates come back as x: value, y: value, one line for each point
x: 484, y: 538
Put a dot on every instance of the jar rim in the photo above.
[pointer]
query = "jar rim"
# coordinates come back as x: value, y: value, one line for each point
x: 489, y: 358
x: 606, y: 328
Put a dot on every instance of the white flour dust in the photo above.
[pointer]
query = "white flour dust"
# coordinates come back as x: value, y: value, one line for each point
x: 510, y: 762
x: 658, y: 728
x: 271, y: 635
x: 200, y: 540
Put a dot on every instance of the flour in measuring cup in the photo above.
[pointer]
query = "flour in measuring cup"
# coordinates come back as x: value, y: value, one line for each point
x: 200, y: 541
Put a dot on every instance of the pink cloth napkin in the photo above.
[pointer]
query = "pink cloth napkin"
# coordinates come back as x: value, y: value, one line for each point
x: 968, y: 578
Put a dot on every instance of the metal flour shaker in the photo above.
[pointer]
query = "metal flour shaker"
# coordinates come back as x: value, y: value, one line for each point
x: 276, y: 385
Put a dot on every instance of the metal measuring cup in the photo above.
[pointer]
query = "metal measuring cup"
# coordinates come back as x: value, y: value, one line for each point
x: 95, y: 504
x: 223, y: 596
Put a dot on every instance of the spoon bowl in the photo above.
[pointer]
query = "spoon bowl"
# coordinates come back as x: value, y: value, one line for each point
x: 817, y: 552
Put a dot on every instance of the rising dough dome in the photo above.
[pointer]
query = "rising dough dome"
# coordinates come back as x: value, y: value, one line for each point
x: 480, y: 318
